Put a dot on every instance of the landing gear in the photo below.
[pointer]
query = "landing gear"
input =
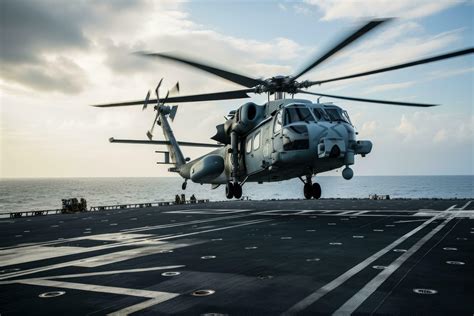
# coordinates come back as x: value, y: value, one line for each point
x: 233, y: 190
x: 311, y: 190
x: 183, y: 186
x: 229, y: 190
x: 316, y: 190
x: 308, y: 191
x: 237, y: 190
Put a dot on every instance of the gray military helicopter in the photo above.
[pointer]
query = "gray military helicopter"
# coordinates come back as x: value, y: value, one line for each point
x: 282, y: 139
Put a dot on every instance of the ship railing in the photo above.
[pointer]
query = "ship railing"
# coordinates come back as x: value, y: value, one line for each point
x: 101, y: 208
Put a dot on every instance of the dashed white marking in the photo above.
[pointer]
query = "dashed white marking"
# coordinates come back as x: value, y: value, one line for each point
x: 399, y: 250
x: 315, y: 296
x: 425, y: 291
x: 450, y: 248
x: 458, y: 263
x: 357, y: 299
x: 409, y: 221
x: 208, y: 257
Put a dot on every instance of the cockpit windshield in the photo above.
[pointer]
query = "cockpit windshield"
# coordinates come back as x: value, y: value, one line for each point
x: 298, y: 114
x: 337, y: 115
x: 320, y: 114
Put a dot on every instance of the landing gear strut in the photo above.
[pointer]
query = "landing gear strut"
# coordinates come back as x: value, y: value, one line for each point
x: 233, y: 190
x: 311, y: 190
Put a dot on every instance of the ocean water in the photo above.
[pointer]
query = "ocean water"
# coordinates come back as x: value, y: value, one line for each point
x: 37, y: 194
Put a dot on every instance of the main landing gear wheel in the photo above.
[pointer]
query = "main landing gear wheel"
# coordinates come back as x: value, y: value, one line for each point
x: 316, y: 188
x: 237, y: 190
x: 308, y: 191
x: 183, y: 186
x: 229, y: 190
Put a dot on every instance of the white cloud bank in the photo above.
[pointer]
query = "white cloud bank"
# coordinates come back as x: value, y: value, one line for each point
x: 354, y: 9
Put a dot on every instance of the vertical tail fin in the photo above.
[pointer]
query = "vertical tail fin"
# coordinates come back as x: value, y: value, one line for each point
x: 176, y: 154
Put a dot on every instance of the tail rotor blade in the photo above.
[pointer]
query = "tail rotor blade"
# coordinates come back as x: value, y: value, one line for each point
x: 147, y: 98
x: 157, y: 90
x: 149, y: 134
x: 166, y: 97
x: 173, y: 111
x: 175, y: 89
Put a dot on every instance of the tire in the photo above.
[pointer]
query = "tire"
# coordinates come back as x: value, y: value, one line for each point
x: 183, y: 186
x: 229, y: 190
x: 308, y: 191
x: 237, y: 191
x: 316, y: 190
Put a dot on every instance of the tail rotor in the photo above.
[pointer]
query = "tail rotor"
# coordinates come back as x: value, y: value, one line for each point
x: 160, y: 108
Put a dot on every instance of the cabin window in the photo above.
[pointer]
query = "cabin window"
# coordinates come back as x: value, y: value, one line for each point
x: 256, y: 141
x: 277, y: 126
x: 298, y: 114
x: 248, y: 146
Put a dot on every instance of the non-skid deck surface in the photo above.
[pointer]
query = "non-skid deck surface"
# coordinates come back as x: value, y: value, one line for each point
x: 340, y: 257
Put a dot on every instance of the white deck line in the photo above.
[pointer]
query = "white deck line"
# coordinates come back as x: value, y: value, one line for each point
x: 315, y: 296
x: 138, y: 307
x: 78, y: 261
x: 357, y: 299
x: 99, y: 288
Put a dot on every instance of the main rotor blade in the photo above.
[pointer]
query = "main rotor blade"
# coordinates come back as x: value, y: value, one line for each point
x: 226, y: 74
x: 400, y: 66
x: 348, y: 40
x: 162, y: 142
x: 368, y: 100
x: 225, y: 95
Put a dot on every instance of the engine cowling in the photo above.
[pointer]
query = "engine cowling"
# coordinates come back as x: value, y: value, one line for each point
x: 246, y: 118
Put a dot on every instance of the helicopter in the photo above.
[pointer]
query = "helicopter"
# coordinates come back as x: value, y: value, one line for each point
x: 282, y: 139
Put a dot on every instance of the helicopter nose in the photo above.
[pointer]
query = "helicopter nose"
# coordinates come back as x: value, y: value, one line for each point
x: 295, y: 137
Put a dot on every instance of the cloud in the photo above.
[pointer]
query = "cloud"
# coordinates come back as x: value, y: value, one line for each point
x: 426, y: 128
x: 389, y: 86
x: 60, y: 75
x: 341, y: 9
x: 40, y: 40
x: 399, y: 43
x: 406, y: 127
x: 302, y: 9
x: 368, y: 129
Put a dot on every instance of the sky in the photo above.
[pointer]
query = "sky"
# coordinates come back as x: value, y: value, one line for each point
x: 59, y: 57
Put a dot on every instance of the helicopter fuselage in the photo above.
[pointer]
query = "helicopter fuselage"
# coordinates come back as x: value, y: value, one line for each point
x: 295, y: 138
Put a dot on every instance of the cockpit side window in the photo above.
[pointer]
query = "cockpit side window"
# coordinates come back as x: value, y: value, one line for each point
x: 277, y: 125
x: 298, y: 114
x: 346, y: 116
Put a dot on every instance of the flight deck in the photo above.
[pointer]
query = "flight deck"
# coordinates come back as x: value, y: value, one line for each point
x: 292, y: 257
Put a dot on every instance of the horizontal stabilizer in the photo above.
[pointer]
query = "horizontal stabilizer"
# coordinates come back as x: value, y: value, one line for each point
x: 162, y: 142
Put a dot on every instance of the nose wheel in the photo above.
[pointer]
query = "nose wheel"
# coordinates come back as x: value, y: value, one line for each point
x: 233, y: 190
x: 311, y: 190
